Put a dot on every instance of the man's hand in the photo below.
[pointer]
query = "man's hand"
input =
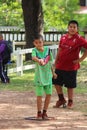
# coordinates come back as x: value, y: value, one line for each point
x: 54, y: 75
x: 78, y: 61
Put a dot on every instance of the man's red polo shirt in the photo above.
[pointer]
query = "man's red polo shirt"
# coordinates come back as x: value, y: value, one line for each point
x: 70, y: 48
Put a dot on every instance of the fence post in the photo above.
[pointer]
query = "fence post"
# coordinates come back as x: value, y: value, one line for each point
x: 19, y: 62
x: 13, y: 45
x: 55, y: 51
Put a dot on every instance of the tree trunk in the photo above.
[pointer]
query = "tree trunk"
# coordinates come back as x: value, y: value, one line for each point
x: 33, y: 20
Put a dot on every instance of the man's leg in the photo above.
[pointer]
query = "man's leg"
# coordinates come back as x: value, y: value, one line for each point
x: 59, y: 89
x: 61, y: 98
x: 70, y: 92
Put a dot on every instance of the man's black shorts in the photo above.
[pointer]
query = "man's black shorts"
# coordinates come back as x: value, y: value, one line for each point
x: 66, y: 78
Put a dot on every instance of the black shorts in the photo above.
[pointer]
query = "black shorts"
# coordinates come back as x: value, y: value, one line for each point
x: 66, y: 78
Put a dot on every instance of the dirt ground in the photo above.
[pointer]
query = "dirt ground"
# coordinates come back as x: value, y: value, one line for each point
x: 16, y: 108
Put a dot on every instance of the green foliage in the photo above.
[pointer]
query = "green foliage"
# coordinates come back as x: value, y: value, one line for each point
x: 57, y: 14
x: 20, y: 83
x: 11, y: 13
x: 83, y: 20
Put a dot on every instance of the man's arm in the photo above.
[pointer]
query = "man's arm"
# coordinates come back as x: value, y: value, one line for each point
x: 53, y: 73
x: 57, y: 56
x: 82, y: 57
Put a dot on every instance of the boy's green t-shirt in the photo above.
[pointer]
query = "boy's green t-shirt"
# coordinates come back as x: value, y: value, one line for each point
x: 43, y: 74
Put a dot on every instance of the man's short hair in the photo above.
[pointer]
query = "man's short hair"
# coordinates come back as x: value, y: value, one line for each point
x: 73, y: 22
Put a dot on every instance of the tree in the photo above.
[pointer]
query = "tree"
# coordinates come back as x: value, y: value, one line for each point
x: 33, y: 20
x: 56, y: 14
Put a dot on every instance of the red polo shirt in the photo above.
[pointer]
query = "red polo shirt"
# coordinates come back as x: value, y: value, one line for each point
x: 70, y: 48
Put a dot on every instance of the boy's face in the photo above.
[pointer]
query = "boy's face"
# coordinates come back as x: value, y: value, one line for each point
x: 38, y: 43
x: 72, y: 29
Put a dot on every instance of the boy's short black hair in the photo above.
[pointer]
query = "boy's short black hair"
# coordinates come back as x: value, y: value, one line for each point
x: 74, y: 22
x: 38, y: 37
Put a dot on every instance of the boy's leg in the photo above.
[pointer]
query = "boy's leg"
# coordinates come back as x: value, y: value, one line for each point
x: 39, y: 103
x: 70, y: 92
x: 2, y: 75
x: 46, y: 102
x: 61, y: 99
x: 5, y: 70
x: 39, y: 107
x: 48, y: 91
x: 39, y: 93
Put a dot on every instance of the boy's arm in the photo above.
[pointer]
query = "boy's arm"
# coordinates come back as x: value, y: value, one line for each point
x: 81, y: 58
x: 35, y: 59
x: 53, y: 73
x: 40, y: 61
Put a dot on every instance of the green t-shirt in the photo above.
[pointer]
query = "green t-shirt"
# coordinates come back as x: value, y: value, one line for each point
x: 43, y: 74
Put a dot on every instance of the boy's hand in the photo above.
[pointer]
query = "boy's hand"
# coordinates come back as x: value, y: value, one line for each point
x: 41, y: 62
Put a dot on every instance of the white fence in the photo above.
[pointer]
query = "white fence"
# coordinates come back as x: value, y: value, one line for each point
x: 19, y: 59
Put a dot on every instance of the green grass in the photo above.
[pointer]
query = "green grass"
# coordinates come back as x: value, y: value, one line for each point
x: 26, y: 83
x: 20, y: 83
x: 82, y: 78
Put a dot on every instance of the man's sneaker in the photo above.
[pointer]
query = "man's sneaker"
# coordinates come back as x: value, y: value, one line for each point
x: 70, y: 104
x: 44, y: 116
x: 39, y: 116
x: 60, y: 103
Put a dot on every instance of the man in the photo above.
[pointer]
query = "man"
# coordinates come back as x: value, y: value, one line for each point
x: 67, y: 63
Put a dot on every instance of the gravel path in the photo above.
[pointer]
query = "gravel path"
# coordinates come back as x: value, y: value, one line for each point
x: 17, y: 107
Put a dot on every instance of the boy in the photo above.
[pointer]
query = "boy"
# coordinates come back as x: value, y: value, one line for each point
x: 3, y: 67
x: 67, y: 63
x: 43, y: 75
